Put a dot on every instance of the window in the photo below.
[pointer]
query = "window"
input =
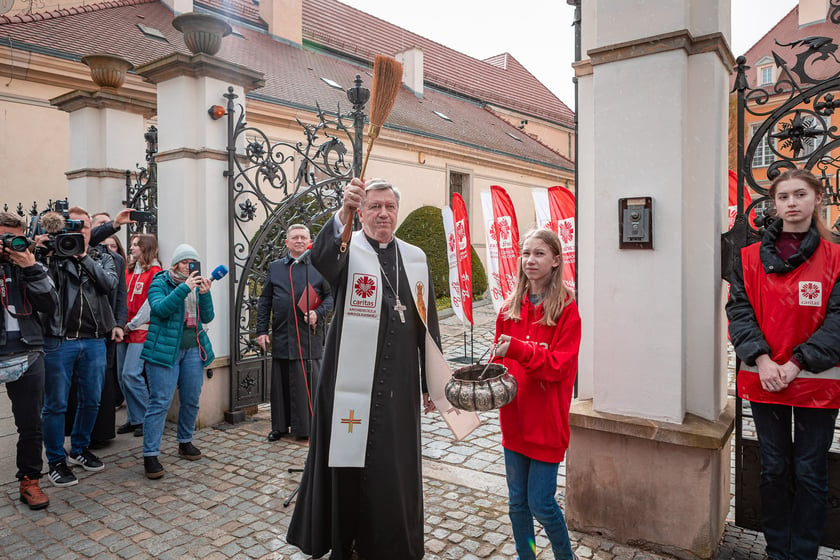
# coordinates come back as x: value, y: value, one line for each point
x: 763, y: 155
x: 765, y: 75
x: 332, y: 83
x: 441, y: 115
x: 459, y: 183
x: 151, y: 32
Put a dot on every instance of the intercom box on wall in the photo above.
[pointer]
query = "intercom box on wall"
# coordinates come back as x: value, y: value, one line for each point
x: 635, y: 223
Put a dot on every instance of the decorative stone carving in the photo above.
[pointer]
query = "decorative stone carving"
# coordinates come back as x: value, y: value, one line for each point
x: 203, y: 33
x: 107, y: 70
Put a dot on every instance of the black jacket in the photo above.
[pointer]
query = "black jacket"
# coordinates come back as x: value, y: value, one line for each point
x: 277, y: 302
x: 821, y: 351
x: 95, y: 275
x: 31, y: 291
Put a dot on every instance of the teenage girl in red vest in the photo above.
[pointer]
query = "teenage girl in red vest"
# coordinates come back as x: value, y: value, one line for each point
x: 784, y: 322
x: 538, y: 337
x: 141, y: 268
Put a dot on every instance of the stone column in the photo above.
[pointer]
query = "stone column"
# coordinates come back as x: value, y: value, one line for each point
x: 192, y: 188
x: 106, y: 136
x: 649, y: 456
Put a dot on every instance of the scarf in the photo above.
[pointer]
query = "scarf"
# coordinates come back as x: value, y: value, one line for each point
x: 191, y: 301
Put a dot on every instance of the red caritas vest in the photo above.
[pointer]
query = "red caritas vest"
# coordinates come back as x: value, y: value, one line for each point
x: 789, y: 307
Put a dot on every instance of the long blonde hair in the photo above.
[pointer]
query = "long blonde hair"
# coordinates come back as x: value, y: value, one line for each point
x: 556, y: 295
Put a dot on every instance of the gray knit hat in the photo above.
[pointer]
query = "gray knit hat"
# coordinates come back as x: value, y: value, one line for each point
x: 183, y: 252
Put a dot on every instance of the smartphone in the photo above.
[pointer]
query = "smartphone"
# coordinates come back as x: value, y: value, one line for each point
x: 141, y: 216
x: 195, y: 266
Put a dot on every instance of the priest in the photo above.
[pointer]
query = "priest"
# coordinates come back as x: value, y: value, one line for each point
x: 361, y: 493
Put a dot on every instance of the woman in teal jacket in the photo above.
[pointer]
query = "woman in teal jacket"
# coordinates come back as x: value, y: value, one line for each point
x: 176, y: 351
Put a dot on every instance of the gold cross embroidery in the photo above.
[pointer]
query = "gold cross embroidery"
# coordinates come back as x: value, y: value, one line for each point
x: 351, y: 421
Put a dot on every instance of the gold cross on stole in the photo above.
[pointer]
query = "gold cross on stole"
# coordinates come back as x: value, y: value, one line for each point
x: 351, y: 421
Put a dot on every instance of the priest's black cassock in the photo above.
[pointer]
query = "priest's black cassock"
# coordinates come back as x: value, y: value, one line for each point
x: 376, y: 510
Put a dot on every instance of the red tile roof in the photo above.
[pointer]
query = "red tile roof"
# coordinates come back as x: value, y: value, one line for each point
x: 501, y: 80
x: 292, y: 74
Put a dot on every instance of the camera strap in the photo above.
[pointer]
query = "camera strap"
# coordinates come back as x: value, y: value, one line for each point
x: 4, y: 298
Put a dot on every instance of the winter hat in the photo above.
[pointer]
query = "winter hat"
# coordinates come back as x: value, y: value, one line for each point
x: 183, y: 252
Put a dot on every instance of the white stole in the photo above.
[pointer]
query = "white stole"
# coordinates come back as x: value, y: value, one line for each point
x: 357, y: 352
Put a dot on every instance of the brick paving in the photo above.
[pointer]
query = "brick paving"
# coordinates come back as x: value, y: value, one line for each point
x: 229, y: 505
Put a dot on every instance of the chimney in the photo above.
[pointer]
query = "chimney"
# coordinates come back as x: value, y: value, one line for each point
x: 178, y: 7
x: 412, y: 61
x: 284, y: 19
x: 812, y: 11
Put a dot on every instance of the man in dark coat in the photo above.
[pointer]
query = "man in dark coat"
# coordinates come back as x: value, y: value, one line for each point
x: 296, y: 343
x: 374, y: 509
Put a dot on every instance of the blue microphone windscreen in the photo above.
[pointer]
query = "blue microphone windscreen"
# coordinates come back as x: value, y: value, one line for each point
x: 219, y: 272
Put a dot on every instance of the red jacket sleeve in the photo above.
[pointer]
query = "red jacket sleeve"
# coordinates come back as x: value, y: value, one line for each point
x: 555, y: 360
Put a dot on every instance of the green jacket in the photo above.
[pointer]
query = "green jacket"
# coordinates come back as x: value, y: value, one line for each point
x: 166, y: 325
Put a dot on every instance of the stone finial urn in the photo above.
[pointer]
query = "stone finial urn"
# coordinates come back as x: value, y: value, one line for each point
x: 202, y: 32
x: 107, y: 70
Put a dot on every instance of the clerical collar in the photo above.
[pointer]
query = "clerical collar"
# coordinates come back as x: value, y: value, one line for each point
x: 380, y: 246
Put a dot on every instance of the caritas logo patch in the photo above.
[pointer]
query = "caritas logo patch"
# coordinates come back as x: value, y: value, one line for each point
x: 810, y: 294
x: 363, y: 294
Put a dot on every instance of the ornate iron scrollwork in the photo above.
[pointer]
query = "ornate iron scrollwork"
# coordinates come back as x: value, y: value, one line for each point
x: 141, y: 190
x: 271, y: 185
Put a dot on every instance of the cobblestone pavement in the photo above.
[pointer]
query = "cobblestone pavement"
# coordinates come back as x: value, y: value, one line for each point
x: 230, y: 503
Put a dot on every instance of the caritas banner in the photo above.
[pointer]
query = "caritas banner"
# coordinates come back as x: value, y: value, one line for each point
x: 561, y: 203
x: 492, y: 259
x: 506, y: 237
x: 733, y: 199
x: 452, y: 253
x: 464, y: 251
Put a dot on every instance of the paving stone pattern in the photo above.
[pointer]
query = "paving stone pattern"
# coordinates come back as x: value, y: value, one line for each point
x: 229, y: 505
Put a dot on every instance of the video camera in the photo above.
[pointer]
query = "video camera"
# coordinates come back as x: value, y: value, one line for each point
x: 63, y: 240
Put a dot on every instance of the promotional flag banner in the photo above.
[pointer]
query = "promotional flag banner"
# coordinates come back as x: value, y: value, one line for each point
x: 452, y: 253
x: 543, y: 215
x: 492, y: 259
x: 464, y: 253
x: 561, y: 203
x: 506, y: 238
x: 733, y: 199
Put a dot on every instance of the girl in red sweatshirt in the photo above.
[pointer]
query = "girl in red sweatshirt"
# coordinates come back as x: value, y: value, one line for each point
x: 537, y: 339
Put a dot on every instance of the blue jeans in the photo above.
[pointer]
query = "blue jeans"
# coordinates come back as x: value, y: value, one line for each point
x: 531, y: 488
x: 133, y: 384
x: 63, y: 358
x: 794, y: 477
x: 188, y: 376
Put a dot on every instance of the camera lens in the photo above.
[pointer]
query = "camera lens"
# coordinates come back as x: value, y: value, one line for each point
x: 69, y: 244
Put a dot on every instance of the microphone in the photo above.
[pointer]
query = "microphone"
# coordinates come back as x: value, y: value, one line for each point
x: 53, y: 223
x: 219, y: 272
x: 303, y: 255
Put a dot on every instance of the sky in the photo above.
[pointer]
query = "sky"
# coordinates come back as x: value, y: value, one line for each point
x: 539, y: 34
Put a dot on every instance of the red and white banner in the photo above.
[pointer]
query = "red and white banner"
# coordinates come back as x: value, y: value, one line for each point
x: 555, y: 210
x: 492, y: 254
x: 452, y: 253
x: 506, y: 237
x: 464, y: 253
x: 561, y: 203
x: 733, y: 198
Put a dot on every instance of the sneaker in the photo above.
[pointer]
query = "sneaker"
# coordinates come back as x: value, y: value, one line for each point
x: 153, y: 467
x: 32, y: 495
x: 189, y: 451
x: 86, y: 460
x: 60, y: 475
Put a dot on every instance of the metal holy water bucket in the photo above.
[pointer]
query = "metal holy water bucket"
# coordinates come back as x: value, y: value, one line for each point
x: 480, y: 387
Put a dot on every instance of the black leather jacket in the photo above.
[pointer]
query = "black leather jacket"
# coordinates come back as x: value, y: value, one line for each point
x: 31, y: 292
x: 95, y: 275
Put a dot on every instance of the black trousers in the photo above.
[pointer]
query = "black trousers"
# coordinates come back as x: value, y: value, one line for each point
x: 289, y: 397
x: 27, y: 396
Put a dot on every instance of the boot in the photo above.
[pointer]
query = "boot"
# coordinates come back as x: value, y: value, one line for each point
x: 189, y: 451
x: 153, y: 467
x: 32, y: 495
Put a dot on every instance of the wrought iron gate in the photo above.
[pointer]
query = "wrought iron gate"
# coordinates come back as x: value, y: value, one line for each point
x: 141, y: 193
x: 796, y: 130
x: 271, y: 186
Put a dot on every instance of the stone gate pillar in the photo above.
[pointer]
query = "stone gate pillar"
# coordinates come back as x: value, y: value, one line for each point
x: 649, y: 458
x: 106, y: 136
x: 192, y: 188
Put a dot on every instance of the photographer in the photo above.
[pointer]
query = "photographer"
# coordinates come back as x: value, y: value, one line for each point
x: 26, y: 291
x: 75, y: 342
